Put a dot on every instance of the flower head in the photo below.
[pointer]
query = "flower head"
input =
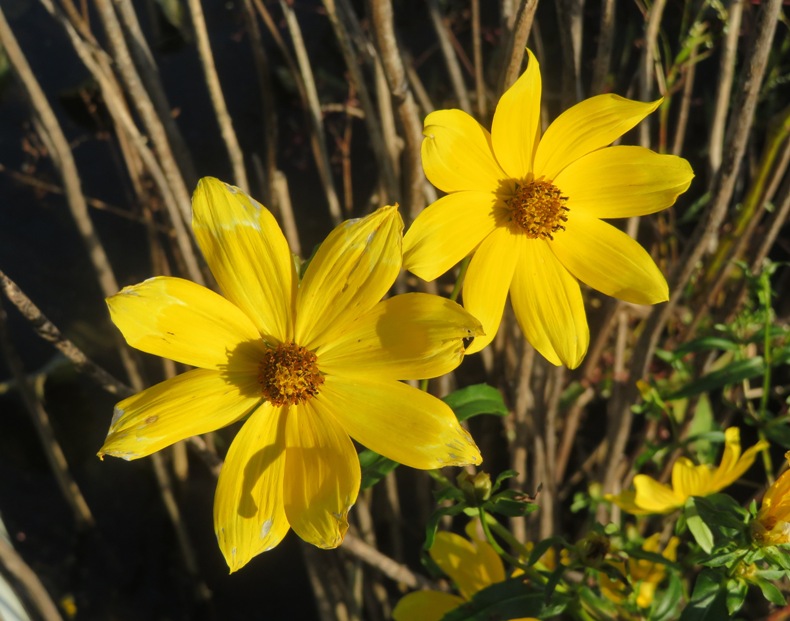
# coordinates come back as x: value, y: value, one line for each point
x: 771, y: 527
x: 472, y: 564
x: 529, y: 208
x: 308, y: 363
x: 650, y: 496
x: 644, y: 575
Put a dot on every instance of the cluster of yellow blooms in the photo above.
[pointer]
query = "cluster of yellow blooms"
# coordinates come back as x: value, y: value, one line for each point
x: 311, y: 362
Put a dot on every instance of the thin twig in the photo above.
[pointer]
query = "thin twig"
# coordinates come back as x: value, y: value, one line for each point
x: 391, y: 60
x: 46, y: 434
x: 722, y: 188
x: 217, y: 98
x: 318, y: 137
x: 149, y: 73
x: 348, y: 31
x: 603, y: 55
x: 390, y: 568
x: 50, y: 333
x: 477, y: 54
x: 144, y: 106
x: 450, y: 59
x: 517, y: 44
x: 32, y: 590
x: 724, y: 85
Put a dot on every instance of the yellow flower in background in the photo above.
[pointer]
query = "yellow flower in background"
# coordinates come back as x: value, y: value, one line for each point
x: 529, y: 208
x: 650, y: 496
x: 472, y: 564
x: 644, y: 576
x: 309, y: 363
x: 771, y: 527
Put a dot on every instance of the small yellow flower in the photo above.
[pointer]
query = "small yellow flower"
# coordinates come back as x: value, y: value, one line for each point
x: 308, y: 364
x: 650, y: 496
x: 529, y: 208
x: 643, y: 575
x: 771, y: 527
x: 472, y: 564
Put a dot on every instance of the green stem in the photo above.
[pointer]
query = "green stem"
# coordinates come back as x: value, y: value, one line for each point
x: 765, y: 283
x: 460, y: 280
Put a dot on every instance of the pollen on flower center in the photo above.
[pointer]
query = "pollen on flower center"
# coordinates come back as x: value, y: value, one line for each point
x: 288, y: 374
x: 538, y: 209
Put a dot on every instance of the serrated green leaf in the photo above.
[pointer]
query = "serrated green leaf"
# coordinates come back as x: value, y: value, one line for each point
x: 733, y: 373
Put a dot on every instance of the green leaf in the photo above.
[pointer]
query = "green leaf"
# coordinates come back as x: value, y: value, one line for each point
x: 705, y: 343
x: 733, y: 373
x: 737, y: 590
x: 510, y: 599
x: 476, y: 400
x: 699, y: 529
x: 433, y: 522
x: 771, y: 592
x: 709, y: 599
x: 374, y: 467
x: 667, y: 605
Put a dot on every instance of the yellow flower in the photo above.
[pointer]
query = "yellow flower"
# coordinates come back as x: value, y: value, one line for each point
x: 472, y: 564
x: 308, y: 363
x: 643, y: 575
x: 650, y: 496
x: 771, y: 527
x: 530, y: 210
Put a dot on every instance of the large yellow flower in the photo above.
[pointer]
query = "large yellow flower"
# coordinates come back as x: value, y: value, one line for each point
x: 530, y: 210
x: 650, y: 496
x: 472, y: 564
x: 309, y: 362
x: 771, y: 527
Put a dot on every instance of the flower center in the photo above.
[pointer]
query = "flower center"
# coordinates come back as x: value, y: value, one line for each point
x: 288, y: 374
x: 538, y: 209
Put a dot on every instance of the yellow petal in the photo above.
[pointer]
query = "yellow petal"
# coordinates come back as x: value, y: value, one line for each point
x: 515, y: 131
x: 607, y: 259
x: 487, y: 282
x: 398, y: 421
x: 352, y: 270
x: 733, y: 464
x: 457, y: 153
x: 586, y: 127
x: 464, y: 563
x: 189, y: 404
x: 249, y: 517
x: 322, y: 476
x: 654, y: 497
x: 626, y: 500
x: 425, y: 606
x: 447, y: 231
x: 183, y: 321
x: 409, y: 336
x: 548, y: 305
x: 620, y: 182
x: 247, y: 253
x: 690, y: 480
